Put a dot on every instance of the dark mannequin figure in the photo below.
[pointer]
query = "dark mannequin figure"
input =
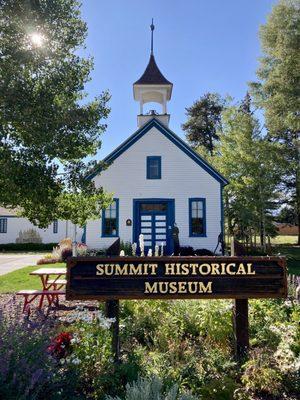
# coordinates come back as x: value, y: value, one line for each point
x: 175, y: 235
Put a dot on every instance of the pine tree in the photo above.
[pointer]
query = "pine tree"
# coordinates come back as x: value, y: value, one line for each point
x: 278, y: 91
x: 204, y: 121
x: 252, y: 166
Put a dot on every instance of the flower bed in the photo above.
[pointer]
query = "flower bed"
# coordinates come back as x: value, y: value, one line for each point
x: 67, y: 355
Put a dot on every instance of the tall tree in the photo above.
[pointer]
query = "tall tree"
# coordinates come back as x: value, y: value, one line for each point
x: 252, y: 165
x: 278, y: 90
x: 204, y: 121
x: 287, y: 215
x: 46, y: 128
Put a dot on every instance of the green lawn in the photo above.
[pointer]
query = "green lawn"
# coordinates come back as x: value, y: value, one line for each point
x: 20, y: 279
x: 278, y: 240
x: 292, y: 254
x: 283, y: 239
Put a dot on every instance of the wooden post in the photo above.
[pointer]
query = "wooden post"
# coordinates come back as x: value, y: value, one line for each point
x: 240, y: 321
x: 241, y: 327
x: 112, y: 310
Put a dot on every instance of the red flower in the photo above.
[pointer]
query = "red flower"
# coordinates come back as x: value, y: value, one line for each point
x: 60, y: 345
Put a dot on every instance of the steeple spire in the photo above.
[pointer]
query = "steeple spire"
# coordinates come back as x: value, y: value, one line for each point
x: 152, y: 29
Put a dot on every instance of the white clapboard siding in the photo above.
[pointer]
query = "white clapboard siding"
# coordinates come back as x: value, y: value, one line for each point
x: 181, y: 179
x: 16, y: 224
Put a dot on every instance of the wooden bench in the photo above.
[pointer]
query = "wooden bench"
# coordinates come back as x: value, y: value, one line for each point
x: 30, y: 295
x: 57, y: 283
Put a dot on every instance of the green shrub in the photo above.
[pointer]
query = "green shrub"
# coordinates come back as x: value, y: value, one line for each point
x: 219, y: 389
x: 262, y: 316
x: 126, y: 246
x: 188, y: 345
x: 151, y: 389
x: 92, y: 357
x: 261, y: 374
x: 27, y: 371
x: 27, y: 246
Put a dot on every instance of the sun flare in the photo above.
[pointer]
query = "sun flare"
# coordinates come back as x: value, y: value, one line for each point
x: 37, y: 39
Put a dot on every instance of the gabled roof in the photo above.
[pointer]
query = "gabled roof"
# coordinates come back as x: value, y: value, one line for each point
x: 152, y: 75
x: 168, y: 134
x: 9, y: 212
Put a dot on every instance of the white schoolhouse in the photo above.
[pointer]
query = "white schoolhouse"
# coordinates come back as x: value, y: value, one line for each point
x: 157, y: 181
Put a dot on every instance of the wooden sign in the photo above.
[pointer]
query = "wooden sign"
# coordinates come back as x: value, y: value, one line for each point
x: 109, y: 278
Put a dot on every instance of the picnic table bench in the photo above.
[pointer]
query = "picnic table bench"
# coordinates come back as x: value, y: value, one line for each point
x: 51, y: 288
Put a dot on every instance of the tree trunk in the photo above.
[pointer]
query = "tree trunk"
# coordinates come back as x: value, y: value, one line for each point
x: 74, y: 244
x: 298, y: 228
x: 298, y: 202
x: 261, y: 235
x: 264, y: 232
x: 262, y: 222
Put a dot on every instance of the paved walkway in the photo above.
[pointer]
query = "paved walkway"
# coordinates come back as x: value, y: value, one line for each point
x: 11, y: 262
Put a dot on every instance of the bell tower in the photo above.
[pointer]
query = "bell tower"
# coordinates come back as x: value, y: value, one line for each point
x: 152, y: 87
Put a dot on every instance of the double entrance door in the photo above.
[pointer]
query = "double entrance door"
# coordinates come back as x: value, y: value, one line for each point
x: 155, y: 220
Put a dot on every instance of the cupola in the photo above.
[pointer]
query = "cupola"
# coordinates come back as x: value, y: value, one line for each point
x: 152, y: 87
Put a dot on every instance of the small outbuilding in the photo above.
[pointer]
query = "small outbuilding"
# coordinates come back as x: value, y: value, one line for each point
x: 17, y: 229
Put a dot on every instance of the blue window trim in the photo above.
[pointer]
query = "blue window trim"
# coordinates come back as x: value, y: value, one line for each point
x: 222, y: 212
x: 83, y: 237
x: 153, y: 158
x: 55, y: 226
x: 4, y: 230
x: 117, y: 217
x: 203, y: 200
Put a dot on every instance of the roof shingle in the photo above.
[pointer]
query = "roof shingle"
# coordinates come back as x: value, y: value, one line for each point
x: 152, y: 75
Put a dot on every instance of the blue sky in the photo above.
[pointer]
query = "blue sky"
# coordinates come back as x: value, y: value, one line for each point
x: 200, y: 46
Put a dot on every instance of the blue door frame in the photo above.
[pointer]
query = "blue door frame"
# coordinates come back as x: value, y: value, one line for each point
x: 170, y: 220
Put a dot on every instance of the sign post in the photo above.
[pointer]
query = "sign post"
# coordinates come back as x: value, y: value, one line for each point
x: 240, y: 319
x: 241, y: 327
x: 112, y: 310
x: 241, y: 278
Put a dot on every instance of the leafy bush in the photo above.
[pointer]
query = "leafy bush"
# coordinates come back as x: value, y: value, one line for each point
x: 81, y: 249
x: 189, y: 251
x: 27, y: 372
x: 43, y: 261
x: 262, y: 375
x: 64, y: 250
x: 126, y: 247
x: 65, y: 253
x: 187, y: 344
x: 203, y: 252
x: 27, y: 246
x: 91, y: 356
x: 29, y: 236
x: 219, y: 389
x: 186, y: 251
x: 150, y: 389
x: 95, y: 252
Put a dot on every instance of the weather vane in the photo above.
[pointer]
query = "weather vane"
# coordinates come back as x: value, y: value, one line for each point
x: 152, y: 29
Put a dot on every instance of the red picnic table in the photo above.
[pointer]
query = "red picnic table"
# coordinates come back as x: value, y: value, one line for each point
x: 53, y: 281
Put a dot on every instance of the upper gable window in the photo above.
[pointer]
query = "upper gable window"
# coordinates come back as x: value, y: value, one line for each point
x: 154, y: 167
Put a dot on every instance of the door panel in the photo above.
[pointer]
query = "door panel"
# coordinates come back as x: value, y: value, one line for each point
x: 154, y: 219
